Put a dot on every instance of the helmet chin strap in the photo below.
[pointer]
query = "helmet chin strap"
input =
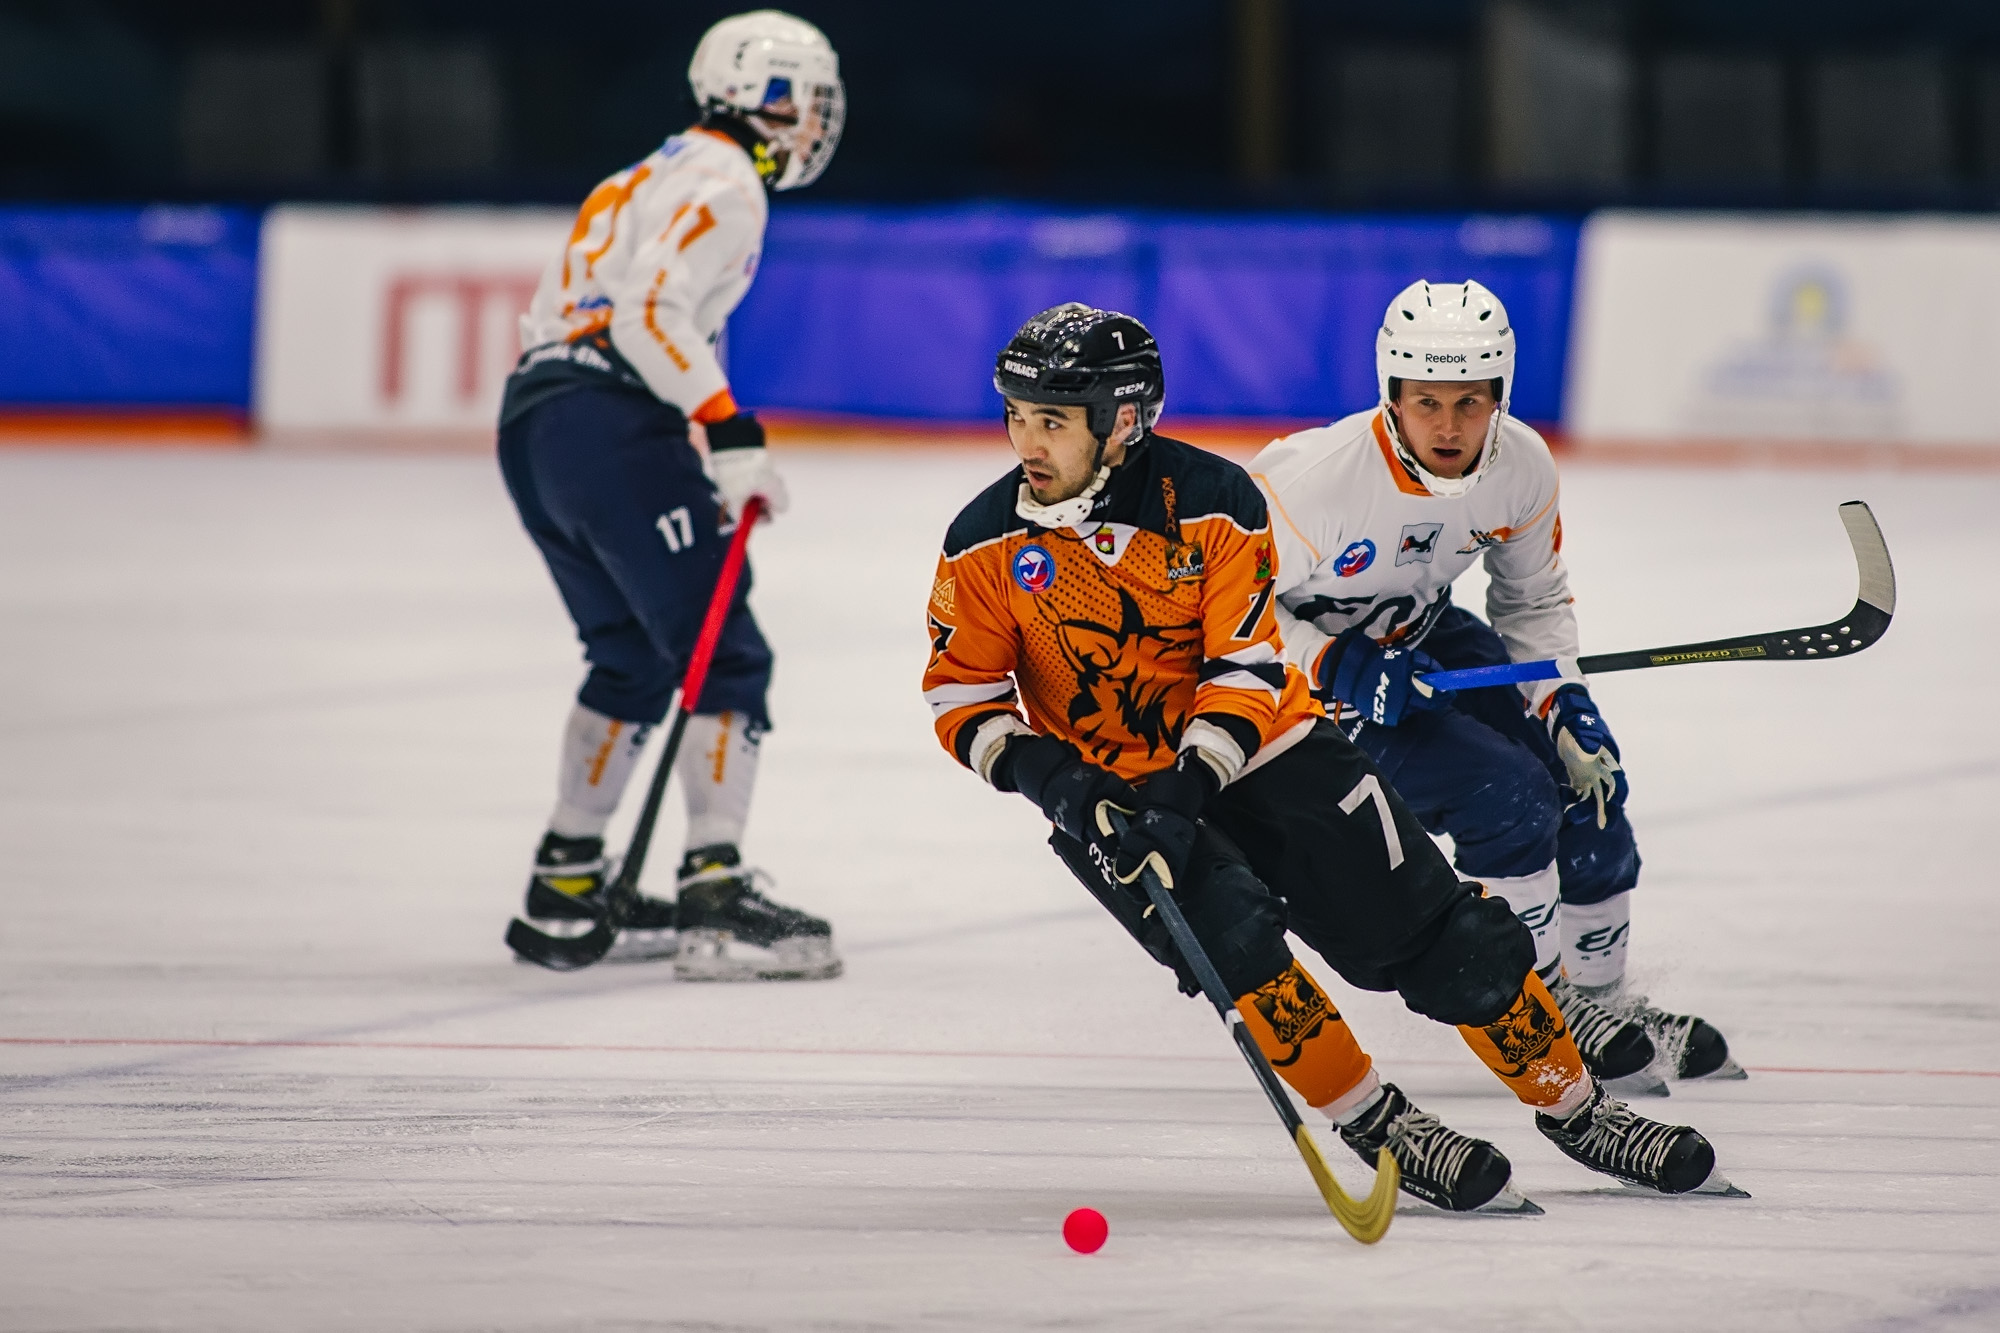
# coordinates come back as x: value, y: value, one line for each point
x: 1448, y: 487
x: 1066, y: 513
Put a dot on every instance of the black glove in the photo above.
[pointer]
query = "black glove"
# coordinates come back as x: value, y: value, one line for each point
x: 1054, y: 775
x: 1162, y: 827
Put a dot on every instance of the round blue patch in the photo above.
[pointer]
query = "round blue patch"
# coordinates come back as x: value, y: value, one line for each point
x: 1355, y: 559
x: 1034, y: 568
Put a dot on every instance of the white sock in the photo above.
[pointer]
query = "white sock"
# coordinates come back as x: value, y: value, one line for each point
x: 1537, y: 901
x: 717, y: 767
x: 1356, y: 1102
x: 598, y: 754
x: 1594, y: 940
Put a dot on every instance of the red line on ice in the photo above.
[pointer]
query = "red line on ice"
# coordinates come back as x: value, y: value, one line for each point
x: 590, y: 1048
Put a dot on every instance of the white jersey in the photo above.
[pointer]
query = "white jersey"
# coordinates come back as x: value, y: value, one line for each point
x: 1361, y: 541
x: 660, y: 255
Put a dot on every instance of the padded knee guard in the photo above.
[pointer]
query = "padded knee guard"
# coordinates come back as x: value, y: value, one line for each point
x: 1474, y: 965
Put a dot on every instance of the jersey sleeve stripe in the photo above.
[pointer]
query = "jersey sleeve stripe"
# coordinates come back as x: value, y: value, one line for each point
x: 944, y: 698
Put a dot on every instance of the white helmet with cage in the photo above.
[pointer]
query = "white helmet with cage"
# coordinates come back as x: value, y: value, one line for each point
x: 1446, y: 331
x: 780, y: 72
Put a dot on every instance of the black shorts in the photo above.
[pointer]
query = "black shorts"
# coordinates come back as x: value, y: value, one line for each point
x: 1277, y: 849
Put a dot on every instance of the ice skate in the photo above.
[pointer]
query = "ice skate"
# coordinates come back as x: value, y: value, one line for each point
x: 1614, y: 1045
x: 729, y: 931
x: 1688, y: 1047
x: 569, y: 884
x: 1439, y: 1165
x: 1608, y: 1136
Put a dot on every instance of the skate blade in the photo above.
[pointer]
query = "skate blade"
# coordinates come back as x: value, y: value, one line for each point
x: 643, y: 946
x: 713, y: 955
x: 1645, y: 1083
x: 1717, y: 1186
x: 1509, y: 1202
x: 1727, y: 1071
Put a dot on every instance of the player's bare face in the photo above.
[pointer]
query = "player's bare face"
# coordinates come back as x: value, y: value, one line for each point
x: 1444, y: 423
x: 1057, y: 451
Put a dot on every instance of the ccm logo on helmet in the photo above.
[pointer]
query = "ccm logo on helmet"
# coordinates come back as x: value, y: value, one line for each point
x: 1125, y: 389
x: 1449, y: 358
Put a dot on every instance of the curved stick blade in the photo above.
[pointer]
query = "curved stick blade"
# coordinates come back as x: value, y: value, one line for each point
x: 1871, y: 556
x: 1367, y: 1220
x: 561, y: 953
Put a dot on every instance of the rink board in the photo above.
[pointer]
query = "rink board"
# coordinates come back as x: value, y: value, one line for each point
x: 280, y: 730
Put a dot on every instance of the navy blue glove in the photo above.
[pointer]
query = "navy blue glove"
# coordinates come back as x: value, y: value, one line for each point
x: 1585, y: 746
x: 1375, y: 681
x: 1161, y: 830
x: 1054, y: 775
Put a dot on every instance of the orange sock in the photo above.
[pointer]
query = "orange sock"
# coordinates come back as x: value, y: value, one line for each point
x: 1531, y: 1050
x: 1304, y: 1037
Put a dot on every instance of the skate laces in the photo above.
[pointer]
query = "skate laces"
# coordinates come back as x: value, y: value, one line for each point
x: 1622, y: 1138
x: 1591, y: 1024
x: 1670, y: 1032
x: 1437, y: 1151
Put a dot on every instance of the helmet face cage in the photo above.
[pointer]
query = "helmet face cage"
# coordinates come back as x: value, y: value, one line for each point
x: 1075, y: 356
x: 781, y: 71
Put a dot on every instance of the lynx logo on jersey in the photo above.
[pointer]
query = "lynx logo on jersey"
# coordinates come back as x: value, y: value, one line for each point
x: 1034, y: 568
x: 1479, y: 541
x: 1419, y: 543
x: 1354, y: 559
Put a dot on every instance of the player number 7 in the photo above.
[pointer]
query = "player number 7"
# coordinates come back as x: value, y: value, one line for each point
x: 1370, y: 789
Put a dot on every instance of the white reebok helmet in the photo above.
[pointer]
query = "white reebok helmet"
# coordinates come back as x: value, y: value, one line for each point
x: 1446, y: 331
x: 783, y: 71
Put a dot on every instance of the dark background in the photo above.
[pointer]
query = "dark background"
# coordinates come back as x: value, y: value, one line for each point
x: 1203, y: 103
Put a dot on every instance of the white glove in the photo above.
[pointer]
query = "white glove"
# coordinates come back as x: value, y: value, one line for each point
x: 742, y: 473
x: 1592, y: 773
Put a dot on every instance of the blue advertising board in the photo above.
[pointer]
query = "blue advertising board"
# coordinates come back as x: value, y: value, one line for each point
x: 899, y: 312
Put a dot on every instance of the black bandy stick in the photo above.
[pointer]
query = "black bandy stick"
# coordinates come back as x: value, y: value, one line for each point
x: 567, y: 953
x: 1367, y: 1220
x: 1858, y: 629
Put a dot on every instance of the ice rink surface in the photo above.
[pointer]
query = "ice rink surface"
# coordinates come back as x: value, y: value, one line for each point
x: 276, y: 741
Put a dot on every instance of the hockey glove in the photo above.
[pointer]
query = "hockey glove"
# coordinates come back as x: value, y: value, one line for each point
x: 740, y: 465
x: 1054, y: 775
x: 1585, y: 746
x: 1375, y: 681
x: 1161, y: 830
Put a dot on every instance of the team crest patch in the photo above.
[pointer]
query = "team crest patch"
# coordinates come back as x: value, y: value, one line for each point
x: 1263, y: 562
x: 1034, y: 568
x: 1295, y: 1008
x: 944, y: 595
x: 1184, y: 562
x: 1524, y: 1034
x: 1419, y: 543
x: 1105, y: 539
x: 1354, y: 559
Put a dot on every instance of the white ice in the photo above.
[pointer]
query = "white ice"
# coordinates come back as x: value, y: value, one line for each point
x: 276, y: 739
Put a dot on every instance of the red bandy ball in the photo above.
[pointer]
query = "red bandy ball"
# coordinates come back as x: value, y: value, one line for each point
x: 1085, y: 1230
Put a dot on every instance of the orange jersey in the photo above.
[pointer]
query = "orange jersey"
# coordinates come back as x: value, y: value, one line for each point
x: 1116, y: 633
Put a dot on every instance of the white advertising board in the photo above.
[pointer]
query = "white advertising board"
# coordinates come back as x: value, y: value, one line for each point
x: 1694, y: 329
x: 393, y: 322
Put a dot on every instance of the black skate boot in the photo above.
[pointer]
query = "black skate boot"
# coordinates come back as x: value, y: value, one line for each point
x: 729, y: 931
x: 1613, y: 1045
x: 1439, y: 1165
x: 570, y: 883
x: 1607, y: 1135
x: 1688, y: 1046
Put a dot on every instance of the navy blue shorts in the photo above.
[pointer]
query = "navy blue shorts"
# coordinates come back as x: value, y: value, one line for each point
x: 613, y: 492
x: 1485, y: 771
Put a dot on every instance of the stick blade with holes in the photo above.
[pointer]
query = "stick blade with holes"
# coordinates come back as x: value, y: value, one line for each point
x: 1863, y: 625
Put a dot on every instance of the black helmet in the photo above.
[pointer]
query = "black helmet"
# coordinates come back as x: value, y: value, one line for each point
x: 1076, y: 355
